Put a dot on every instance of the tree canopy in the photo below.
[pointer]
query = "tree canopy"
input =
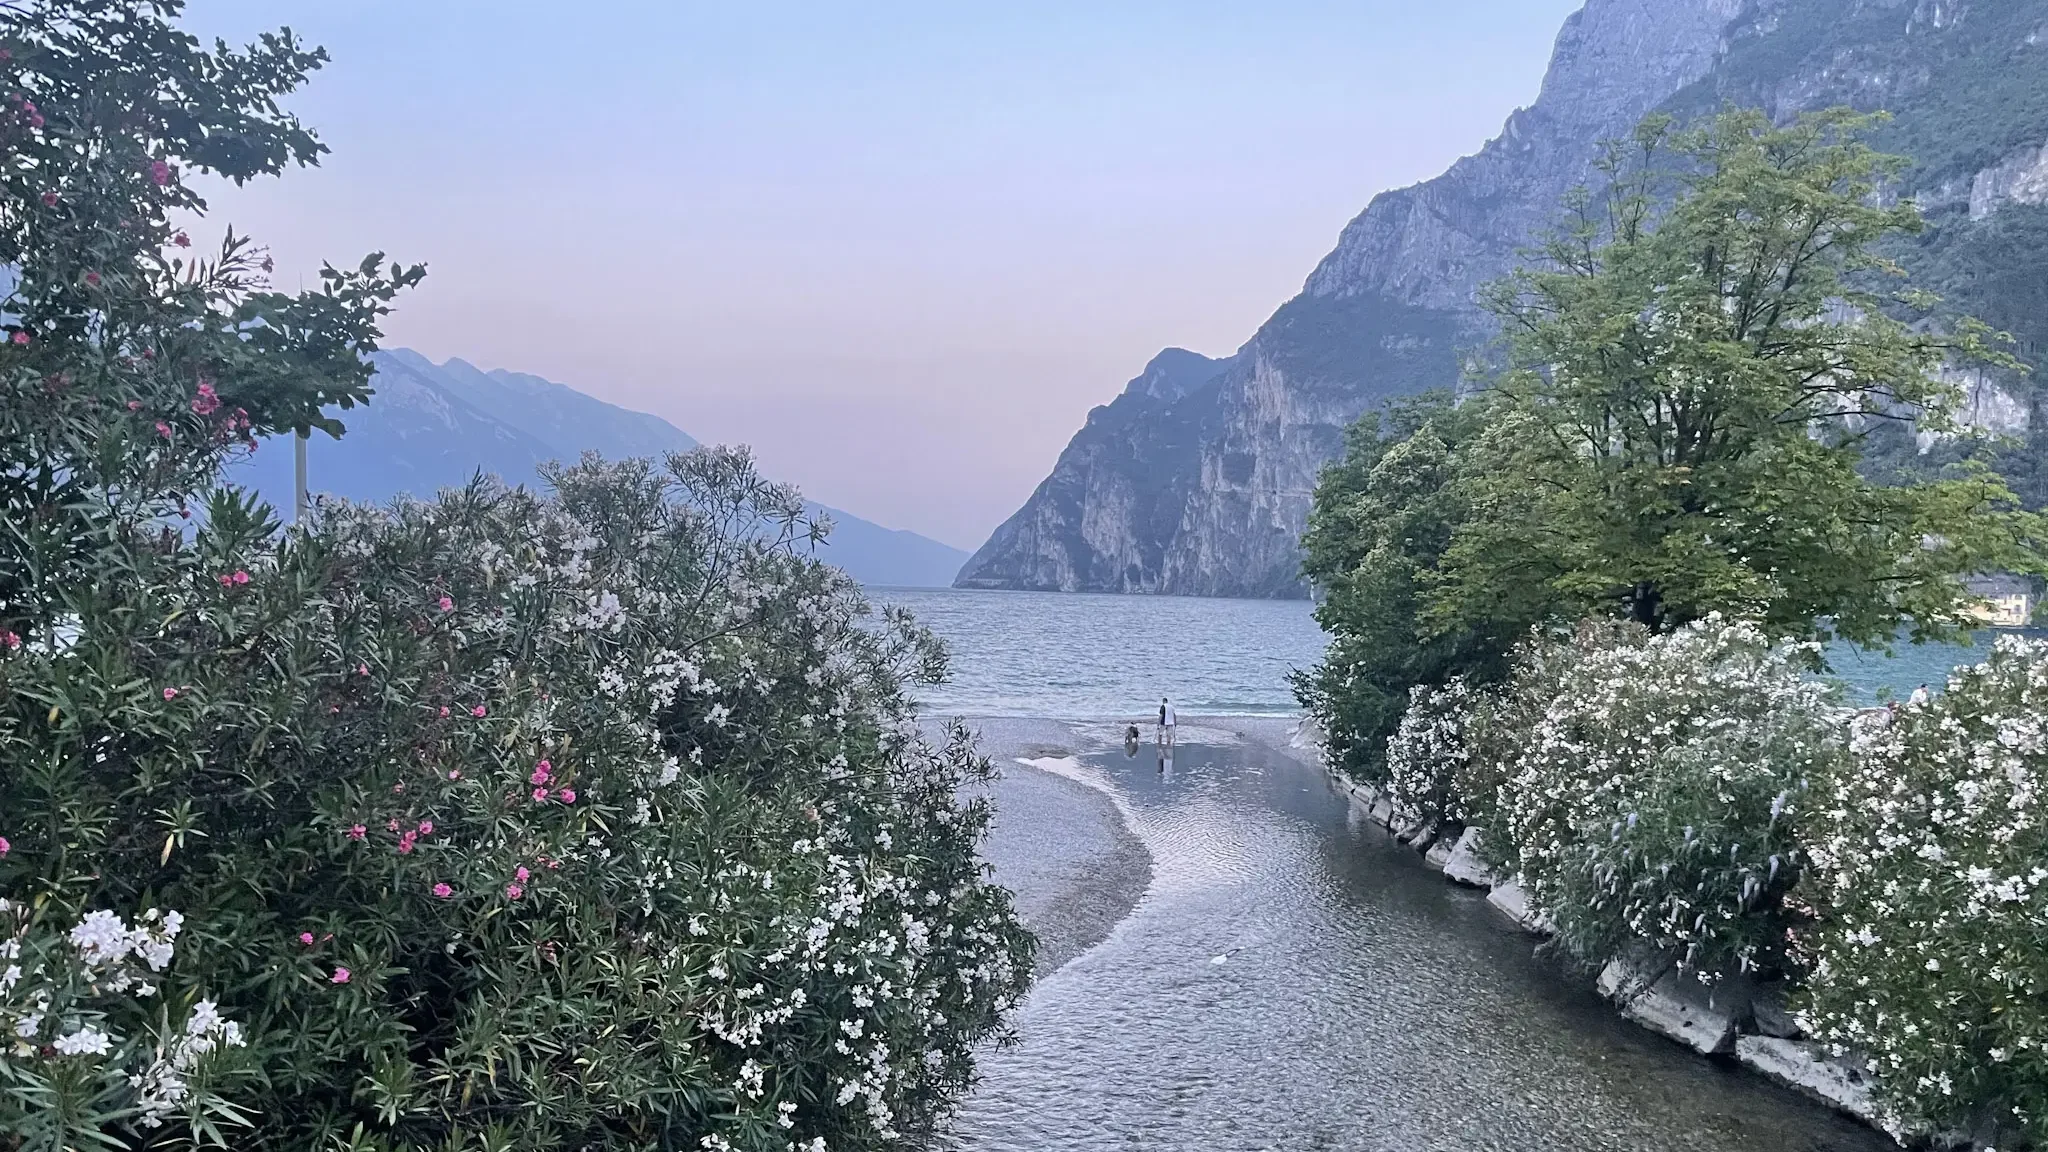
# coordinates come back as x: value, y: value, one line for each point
x: 1692, y: 363
x: 1688, y: 369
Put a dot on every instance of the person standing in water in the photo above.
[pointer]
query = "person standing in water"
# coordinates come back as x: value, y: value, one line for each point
x: 1166, y: 722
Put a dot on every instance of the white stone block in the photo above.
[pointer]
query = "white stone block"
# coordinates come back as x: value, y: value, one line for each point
x: 1465, y: 866
x: 1806, y: 1068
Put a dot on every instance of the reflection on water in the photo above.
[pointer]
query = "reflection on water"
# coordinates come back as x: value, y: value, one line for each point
x: 1295, y: 980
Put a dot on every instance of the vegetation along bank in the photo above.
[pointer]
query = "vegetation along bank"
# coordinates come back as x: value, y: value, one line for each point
x: 1574, y: 616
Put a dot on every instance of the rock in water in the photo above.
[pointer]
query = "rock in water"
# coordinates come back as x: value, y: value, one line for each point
x: 1807, y: 1069
x: 1512, y: 901
x: 1465, y: 866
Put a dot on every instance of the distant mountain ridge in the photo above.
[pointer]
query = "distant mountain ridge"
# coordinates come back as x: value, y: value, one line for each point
x: 433, y: 426
x: 1194, y: 482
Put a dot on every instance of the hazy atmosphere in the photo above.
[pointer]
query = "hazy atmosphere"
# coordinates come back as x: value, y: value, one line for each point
x: 900, y: 249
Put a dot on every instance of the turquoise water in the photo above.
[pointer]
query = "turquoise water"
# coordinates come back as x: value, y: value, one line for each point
x: 1048, y: 654
x: 1868, y: 674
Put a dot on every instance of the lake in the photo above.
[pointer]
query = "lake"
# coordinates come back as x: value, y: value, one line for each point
x: 1079, y: 655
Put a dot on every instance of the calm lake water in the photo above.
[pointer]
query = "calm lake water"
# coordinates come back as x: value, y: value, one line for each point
x: 1072, y: 655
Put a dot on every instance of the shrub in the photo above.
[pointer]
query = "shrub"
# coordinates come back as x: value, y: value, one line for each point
x: 1657, y: 798
x: 1428, y: 754
x: 1931, y: 853
x: 592, y: 821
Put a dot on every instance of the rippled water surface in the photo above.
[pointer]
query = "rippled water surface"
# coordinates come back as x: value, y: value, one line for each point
x: 1050, y: 654
x: 1361, y: 1003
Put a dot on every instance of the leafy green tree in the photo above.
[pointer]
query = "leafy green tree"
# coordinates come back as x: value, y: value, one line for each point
x: 131, y: 365
x: 1384, y: 515
x: 1692, y: 363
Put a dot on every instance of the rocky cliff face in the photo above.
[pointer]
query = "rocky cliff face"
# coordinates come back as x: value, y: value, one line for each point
x: 1197, y: 480
x: 1204, y: 488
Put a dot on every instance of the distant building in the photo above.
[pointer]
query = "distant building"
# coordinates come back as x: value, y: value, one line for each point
x: 2003, y: 601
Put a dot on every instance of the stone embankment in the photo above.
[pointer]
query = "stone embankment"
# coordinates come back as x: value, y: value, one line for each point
x: 1733, y: 1019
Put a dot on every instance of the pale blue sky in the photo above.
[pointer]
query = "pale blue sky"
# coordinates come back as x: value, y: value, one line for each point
x: 900, y: 248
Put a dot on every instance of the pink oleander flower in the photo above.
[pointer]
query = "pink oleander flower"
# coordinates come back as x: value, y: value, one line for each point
x: 340, y: 976
x: 21, y: 338
x: 566, y: 795
x: 92, y: 279
x: 521, y: 874
x: 170, y: 693
x: 357, y: 832
x: 455, y: 773
x: 540, y: 795
x: 362, y: 669
x: 444, y: 711
x: 477, y: 711
x: 226, y: 581
x: 160, y: 172
x: 163, y: 430
x: 443, y: 891
x: 391, y: 825
x: 135, y: 405
x: 306, y: 938
x: 5, y: 847
x: 240, y: 577
x: 182, y: 240
x: 49, y: 199
x: 513, y: 891
x: 406, y: 842
x: 447, y: 605
x: 204, y: 402
x: 426, y: 828
x: 10, y: 640
x: 541, y: 773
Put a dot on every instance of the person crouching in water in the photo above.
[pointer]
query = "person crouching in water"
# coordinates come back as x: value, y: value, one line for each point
x: 1166, y: 722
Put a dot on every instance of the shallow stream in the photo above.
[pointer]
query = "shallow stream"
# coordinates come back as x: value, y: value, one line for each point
x: 1359, y: 1002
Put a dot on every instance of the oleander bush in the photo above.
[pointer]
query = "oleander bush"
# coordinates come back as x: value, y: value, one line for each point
x: 1930, y: 852
x: 1657, y: 798
x: 592, y: 820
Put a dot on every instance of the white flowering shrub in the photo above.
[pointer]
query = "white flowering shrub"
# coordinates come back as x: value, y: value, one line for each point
x: 1428, y: 754
x: 80, y: 1015
x: 598, y: 819
x: 1931, y: 854
x: 1658, y: 795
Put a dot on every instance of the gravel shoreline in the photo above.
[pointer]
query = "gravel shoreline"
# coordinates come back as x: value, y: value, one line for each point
x: 1064, y: 848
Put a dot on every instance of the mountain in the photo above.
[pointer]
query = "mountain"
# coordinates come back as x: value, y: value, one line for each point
x: 432, y: 426
x: 1202, y: 486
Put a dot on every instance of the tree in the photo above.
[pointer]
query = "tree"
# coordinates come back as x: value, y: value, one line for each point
x: 131, y: 365
x: 1383, y: 516
x: 1692, y: 362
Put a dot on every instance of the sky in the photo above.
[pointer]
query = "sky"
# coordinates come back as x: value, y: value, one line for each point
x: 901, y: 249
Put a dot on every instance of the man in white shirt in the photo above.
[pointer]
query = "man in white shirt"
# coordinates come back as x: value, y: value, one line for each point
x: 1166, y: 722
